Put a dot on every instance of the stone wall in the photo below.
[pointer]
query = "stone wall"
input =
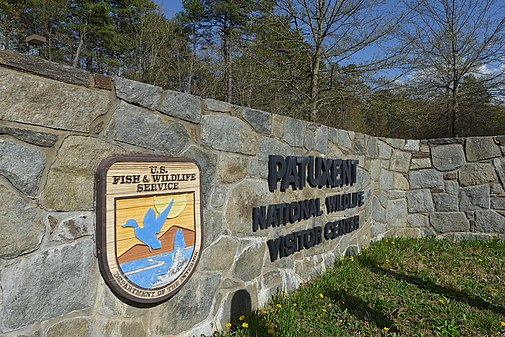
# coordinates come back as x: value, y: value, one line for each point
x: 58, y: 123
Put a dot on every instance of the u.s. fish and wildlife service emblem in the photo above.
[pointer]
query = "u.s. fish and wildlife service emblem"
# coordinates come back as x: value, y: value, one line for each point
x: 149, y: 231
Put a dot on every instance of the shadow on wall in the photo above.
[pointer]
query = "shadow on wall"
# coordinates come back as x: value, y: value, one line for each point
x: 240, y: 305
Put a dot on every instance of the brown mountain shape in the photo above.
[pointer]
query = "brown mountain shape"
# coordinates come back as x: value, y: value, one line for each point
x: 141, y: 251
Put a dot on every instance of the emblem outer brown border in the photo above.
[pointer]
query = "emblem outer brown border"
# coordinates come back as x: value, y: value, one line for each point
x: 101, y: 227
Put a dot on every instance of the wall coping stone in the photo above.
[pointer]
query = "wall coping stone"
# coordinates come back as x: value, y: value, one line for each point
x: 53, y: 70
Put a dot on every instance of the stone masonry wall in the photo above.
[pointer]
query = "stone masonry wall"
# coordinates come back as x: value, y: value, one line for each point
x: 58, y: 123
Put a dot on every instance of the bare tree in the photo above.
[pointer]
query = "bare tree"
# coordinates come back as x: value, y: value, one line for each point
x: 451, y: 39
x: 334, y: 32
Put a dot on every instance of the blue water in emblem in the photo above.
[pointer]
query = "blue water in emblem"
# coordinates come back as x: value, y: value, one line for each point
x: 145, y: 272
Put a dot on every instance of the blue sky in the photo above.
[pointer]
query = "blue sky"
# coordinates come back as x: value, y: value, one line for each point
x: 170, y: 7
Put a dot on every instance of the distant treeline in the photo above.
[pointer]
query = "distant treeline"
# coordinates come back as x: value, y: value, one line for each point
x: 408, y: 69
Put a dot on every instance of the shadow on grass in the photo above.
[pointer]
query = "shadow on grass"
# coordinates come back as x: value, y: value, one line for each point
x: 448, y: 292
x: 361, y: 310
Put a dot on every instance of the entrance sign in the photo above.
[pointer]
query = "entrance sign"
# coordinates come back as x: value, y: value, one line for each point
x: 149, y: 231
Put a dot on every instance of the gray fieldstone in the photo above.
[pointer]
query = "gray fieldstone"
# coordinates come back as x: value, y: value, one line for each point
x: 451, y: 187
x: 397, y: 213
x: 448, y: 157
x: 401, y: 183
x: 70, y: 181
x: 118, y: 328
x: 231, y: 168
x: 123, y: 329
x: 220, y: 255
x: 420, y: 163
x: 384, y: 150
x: 500, y: 140
x: 446, y: 222
x: 377, y: 230
x: 44, y: 139
x: 21, y: 165
x: 250, y: 263
x: 294, y: 131
x: 387, y: 180
x: 340, y: 137
x: 478, y: 148
x: 445, y: 202
x: 45, y: 68
x: 191, y: 304
x: 499, y: 164
x: 219, y: 196
x: 308, y: 143
x: 414, y: 233
x: 498, y: 203
x: 261, y: 121
x: 418, y: 220
x: 444, y: 141
x: 497, y: 189
x: 213, y: 225
x: 49, y: 284
x: 477, y: 174
x: 395, y: 142
x: 420, y: 201
x: 77, y: 327
x: 230, y: 134
x: 21, y: 224
x: 241, y: 200
x: 270, y: 146
x: 207, y: 162
x: 138, y: 126
x: 134, y: 92
x: 400, y: 161
x: 35, y: 100
x: 372, y: 149
x: 489, y: 221
x: 218, y: 106
x: 427, y: 178
x: 183, y: 106
x: 272, y: 279
x: 321, y: 139
x: 358, y: 146
x: 411, y: 145
x: 474, y: 198
x: 110, y: 305
x: 378, y: 212
x: 66, y: 226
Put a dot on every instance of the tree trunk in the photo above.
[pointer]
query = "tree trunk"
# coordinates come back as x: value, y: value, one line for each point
x: 229, y: 78
x: 314, y: 85
x: 78, y: 51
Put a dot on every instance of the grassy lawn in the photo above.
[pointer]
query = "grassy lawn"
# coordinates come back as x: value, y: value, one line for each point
x: 399, y: 287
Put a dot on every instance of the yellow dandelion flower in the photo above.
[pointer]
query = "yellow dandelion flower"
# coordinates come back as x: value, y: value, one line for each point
x: 228, y: 325
x: 263, y: 311
x: 324, y: 310
x: 271, y: 326
x: 392, y: 242
x: 351, y: 258
x: 271, y: 331
x: 245, y: 325
x: 321, y: 295
x: 278, y: 305
x: 387, y: 261
x: 502, y: 323
x: 387, y: 241
x: 386, y: 328
x: 423, y: 257
x: 294, y: 304
x: 241, y: 318
x: 342, y: 258
x: 441, y: 301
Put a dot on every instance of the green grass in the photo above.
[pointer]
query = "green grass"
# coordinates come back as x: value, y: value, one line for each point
x: 400, y: 287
